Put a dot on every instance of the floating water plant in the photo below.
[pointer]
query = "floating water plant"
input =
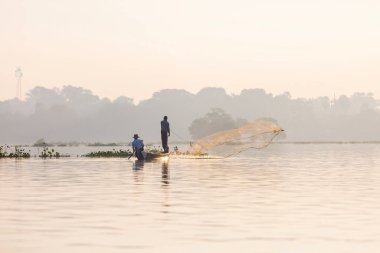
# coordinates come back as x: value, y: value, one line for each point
x: 110, y: 153
x: 50, y: 153
x: 149, y: 148
x: 17, y: 153
x: 3, y: 151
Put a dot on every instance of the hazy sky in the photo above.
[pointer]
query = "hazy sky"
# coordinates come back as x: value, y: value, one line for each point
x: 133, y: 48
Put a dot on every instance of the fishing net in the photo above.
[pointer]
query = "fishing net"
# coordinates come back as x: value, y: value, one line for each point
x: 255, y: 135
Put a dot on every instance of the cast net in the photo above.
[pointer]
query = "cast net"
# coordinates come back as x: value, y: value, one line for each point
x: 255, y: 135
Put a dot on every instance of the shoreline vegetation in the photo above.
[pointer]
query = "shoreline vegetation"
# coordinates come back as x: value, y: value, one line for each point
x: 19, y: 151
x: 110, y: 153
x: 7, y: 151
x: 121, y: 152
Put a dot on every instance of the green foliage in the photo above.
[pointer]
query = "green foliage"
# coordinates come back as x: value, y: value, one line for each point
x: 49, y: 153
x: 152, y: 150
x: 17, y: 153
x: 3, y: 152
x: 110, y: 153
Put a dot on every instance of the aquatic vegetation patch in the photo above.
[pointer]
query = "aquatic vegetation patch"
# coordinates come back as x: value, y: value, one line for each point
x: 51, y: 153
x: 18, y: 152
x: 110, y: 153
x: 122, y: 153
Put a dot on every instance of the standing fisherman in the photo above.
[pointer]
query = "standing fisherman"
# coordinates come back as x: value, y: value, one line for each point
x: 165, y: 132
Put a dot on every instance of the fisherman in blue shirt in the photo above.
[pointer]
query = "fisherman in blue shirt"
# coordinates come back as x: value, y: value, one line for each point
x: 138, y: 147
x: 165, y: 132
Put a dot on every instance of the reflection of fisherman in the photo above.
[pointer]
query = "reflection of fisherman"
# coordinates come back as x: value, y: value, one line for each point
x: 165, y: 174
x: 138, y: 147
x: 165, y: 132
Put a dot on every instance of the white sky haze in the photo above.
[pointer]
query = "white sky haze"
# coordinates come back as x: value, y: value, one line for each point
x: 134, y: 48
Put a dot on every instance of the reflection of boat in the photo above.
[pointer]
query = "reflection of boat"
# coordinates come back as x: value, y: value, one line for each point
x: 138, y: 165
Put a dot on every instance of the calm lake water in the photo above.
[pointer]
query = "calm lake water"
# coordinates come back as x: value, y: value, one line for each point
x: 285, y: 198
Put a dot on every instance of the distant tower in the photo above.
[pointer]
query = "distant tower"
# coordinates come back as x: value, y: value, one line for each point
x: 18, y: 75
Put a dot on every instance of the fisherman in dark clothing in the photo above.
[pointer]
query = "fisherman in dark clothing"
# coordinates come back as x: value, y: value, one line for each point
x: 165, y: 132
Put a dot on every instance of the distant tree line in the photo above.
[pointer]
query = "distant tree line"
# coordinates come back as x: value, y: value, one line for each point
x: 76, y: 114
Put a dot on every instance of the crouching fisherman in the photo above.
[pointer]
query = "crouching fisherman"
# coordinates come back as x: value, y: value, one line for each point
x: 138, y: 147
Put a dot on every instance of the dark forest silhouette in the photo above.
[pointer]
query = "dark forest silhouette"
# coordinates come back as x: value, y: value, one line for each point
x: 75, y: 114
